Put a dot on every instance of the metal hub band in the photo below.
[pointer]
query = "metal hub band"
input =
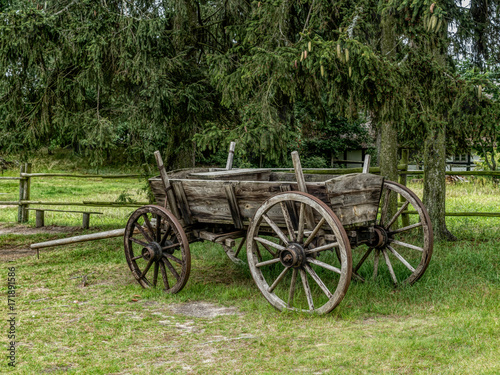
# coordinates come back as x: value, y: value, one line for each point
x: 293, y: 256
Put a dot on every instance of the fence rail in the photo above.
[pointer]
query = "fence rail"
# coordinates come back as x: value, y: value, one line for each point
x: 25, y: 177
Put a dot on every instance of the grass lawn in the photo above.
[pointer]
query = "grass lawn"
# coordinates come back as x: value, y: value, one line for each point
x: 447, y: 323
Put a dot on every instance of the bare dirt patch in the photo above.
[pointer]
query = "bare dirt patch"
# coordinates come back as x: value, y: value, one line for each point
x: 200, y: 309
x: 13, y: 252
x: 26, y: 230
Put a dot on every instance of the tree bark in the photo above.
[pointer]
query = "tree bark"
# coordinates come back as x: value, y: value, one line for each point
x: 388, y: 152
x: 435, y: 182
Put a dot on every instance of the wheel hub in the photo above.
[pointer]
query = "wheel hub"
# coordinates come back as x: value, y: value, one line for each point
x: 153, y: 251
x: 381, y: 238
x: 293, y: 256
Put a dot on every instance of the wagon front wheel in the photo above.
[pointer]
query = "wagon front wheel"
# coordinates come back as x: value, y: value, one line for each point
x: 299, y: 253
x: 157, y: 249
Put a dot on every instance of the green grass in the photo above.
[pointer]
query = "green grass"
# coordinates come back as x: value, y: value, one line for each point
x: 447, y: 323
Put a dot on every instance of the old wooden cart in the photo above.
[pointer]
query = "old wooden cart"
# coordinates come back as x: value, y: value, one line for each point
x: 299, y: 231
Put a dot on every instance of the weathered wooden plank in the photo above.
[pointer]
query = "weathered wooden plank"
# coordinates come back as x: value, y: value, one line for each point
x: 290, y: 177
x: 234, y: 175
x: 355, y: 198
x: 233, y: 206
x: 208, y: 201
x: 181, y: 199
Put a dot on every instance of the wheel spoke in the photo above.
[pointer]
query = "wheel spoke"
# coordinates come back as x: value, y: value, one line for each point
x: 171, y: 257
x: 300, y: 234
x: 269, y: 250
x: 257, y: 251
x: 146, y: 269
x: 404, y: 229
x: 288, y: 221
x: 375, y: 263
x: 137, y: 257
x: 314, y: 232
x: 155, y: 275
x: 164, y: 276
x: 316, y: 278
x: 171, y: 268
x: 239, y: 247
x: 401, y: 259
x: 395, y: 217
x: 277, y: 281
x: 292, y: 287
x: 307, y: 289
x: 385, y: 207
x: 144, y: 233
x: 148, y: 224
x: 165, y: 248
x: 270, y: 243
x: 276, y: 229
x: 389, y: 265
x: 139, y: 242
x: 360, y: 263
x: 404, y: 244
x: 165, y: 235
x: 322, y: 248
x: 267, y: 262
x: 158, y: 228
x: 324, y: 265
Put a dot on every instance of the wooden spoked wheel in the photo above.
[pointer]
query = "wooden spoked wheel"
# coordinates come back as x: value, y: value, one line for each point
x: 403, y: 247
x: 157, y: 249
x: 299, y: 254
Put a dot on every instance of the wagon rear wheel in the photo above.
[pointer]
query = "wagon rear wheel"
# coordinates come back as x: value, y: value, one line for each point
x: 157, y: 249
x: 403, y: 246
x: 299, y: 266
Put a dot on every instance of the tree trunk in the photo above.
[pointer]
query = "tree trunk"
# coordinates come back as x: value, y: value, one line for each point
x: 388, y: 152
x: 435, y: 183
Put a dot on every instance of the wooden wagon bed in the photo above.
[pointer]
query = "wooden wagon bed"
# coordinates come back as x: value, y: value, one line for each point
x: 232, y: 197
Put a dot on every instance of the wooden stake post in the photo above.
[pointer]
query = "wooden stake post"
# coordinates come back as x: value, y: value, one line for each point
x: 301, y: 183
x: 20, y: 208
x: 230, y: 157
x: 172, y: 203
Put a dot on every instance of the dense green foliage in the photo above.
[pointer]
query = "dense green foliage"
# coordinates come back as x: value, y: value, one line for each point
x: 188, y: 77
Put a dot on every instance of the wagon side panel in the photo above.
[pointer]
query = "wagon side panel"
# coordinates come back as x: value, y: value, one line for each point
x: 355, y: 198
x: 209, y: 202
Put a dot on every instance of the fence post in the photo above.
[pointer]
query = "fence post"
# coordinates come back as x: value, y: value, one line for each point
x: 26, y: 192
x: 405, y: 218
x: 21, y: 195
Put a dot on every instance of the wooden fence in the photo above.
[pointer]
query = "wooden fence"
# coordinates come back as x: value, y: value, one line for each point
x: 26, y: 176
x: 25, y: 179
